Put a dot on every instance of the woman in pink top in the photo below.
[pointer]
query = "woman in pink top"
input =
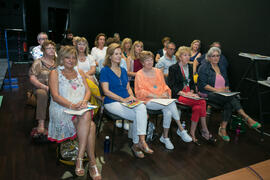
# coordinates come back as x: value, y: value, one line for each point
x: 213, y: 79
x: 150, y: 84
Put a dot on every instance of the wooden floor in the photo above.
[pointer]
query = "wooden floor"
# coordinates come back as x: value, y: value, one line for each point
x: 20, y: 159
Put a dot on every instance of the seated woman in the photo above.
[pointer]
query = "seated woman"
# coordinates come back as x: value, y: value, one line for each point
x: 115, y: 85
x: 39, y: 75
x: 87, y: 64
x: 162, y: 52
x: 126, y: 46
x: 69, y: 90
x: 181, y: 82
x: 133, y: 61
x: 195, y: 50
x: 99, y: 51
x: 213, y: 78
x: 150, y: 84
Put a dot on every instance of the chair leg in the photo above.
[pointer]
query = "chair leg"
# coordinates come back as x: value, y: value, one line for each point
x: 114, y: 127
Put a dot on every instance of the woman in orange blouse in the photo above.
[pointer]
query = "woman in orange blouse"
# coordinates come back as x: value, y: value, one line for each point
x: 150, y: 84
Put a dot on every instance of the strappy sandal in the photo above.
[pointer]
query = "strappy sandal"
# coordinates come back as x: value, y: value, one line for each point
x: 225, y: 138
x: 208, y: 136
x: 97, y: 175
x: 195, y: 141
x: 79, y: 171
x: 137, y: 153
x: 146, y: 149
x: 254, y: 126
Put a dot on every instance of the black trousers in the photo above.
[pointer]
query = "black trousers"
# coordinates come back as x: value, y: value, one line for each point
x: 229, y: 104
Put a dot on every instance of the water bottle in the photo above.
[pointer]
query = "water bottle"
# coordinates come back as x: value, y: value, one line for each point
x: 237, y: 132
x: 184, y: 125
x: 107, y: 144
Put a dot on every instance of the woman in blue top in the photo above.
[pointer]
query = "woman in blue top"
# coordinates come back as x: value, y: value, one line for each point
x: 116, y: 88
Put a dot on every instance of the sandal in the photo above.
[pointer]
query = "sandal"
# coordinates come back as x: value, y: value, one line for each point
x: 145, y: 149
x: 225, y: 138
x: 137, y: 153
x: 208, y: 136
x: 97, y: 175
x: 79, y: 171
x: 195, y: 141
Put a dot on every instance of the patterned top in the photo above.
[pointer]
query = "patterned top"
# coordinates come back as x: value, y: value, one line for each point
x: 145, y: 85
x: 41, y: 71
x: 61, y: 126
x: 164, y: 63
x: 36, y: 52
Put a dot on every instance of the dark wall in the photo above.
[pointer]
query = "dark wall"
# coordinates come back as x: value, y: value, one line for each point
x: 241, y: 26
x: 88, y: 18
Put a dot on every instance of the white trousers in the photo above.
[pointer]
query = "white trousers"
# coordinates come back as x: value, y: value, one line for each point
x: 137, y: 114
x: 169, y: 111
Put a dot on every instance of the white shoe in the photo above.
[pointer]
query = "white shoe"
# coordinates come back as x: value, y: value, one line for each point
x: 118, y: 123
x: 184, y: 135
x: 126, y: 125
x: 167, y: 142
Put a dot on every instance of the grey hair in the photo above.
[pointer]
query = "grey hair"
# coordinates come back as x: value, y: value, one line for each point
x: 167, y: 45
x: 211, y: 51
x: 39, y: 34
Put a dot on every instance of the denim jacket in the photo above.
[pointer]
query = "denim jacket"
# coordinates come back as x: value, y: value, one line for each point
x: 207, y: 76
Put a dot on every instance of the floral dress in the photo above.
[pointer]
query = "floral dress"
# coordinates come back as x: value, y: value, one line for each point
x: 61, y: 126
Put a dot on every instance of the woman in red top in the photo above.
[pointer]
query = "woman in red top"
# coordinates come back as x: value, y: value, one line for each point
x: 180, y: 80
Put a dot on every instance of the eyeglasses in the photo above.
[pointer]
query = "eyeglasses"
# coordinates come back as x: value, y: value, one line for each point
x: 215, y: 56
x: 43, y: 39
x: 172, y: 49
x: 50, y: 48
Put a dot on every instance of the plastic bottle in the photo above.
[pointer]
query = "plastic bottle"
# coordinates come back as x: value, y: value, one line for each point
x: 107, y: 144
x: 237, y: 132
x: 184, y: 125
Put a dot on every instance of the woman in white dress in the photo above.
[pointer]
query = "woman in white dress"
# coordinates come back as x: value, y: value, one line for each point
x: 99, y: 51
x: 69, y: 90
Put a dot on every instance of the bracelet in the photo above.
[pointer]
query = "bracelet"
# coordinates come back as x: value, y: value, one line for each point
x: 70, y: 105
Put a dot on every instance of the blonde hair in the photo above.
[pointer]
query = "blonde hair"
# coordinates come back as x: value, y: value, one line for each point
x: 65, y: 52
x: 132, y: 51
x: 110, y: 50
x: 146, y: 54
x: 195, y: 41
x: 181, y: 50
x: 125, y: 41
x: 97, y: 37
x: 84, y: 40
x: 75, y: 40
x: 165, y: 39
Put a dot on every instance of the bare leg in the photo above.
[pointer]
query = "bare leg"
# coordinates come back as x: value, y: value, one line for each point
x: 193, y: 129
x: 246, y: 117
x: 223, y: 125
x: 82, y: 127
x: 41, y: 126
x: 179, y: 125
x: 165, y: 132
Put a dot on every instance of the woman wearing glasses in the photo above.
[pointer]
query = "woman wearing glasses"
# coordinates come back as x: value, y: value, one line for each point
x: 213, y: 78
x: 39, y: 75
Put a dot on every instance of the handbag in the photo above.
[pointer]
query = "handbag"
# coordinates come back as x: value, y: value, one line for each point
x: 31, y: 99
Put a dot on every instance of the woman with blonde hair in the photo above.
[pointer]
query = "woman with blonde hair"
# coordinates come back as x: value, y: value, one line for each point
x: 150, y: 84
x: 116, y: 88
x: 69, y: 90
x: 39, y: 75
x: 133, y: 61
x: 180, y: 80
x: 87, y: 64
x: 125, y: 47
x: 195, y: 50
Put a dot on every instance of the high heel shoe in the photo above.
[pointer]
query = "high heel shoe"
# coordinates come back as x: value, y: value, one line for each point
x: 97, y: 175
x: 208, y: 137
x: 225, y: 138
x: 79, y: 171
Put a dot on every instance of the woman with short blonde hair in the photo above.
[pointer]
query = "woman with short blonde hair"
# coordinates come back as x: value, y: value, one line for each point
x: 126, y: 47
x: 180, y: 80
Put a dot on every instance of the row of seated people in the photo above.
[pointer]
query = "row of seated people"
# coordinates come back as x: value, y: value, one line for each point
x: 69, y: 89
